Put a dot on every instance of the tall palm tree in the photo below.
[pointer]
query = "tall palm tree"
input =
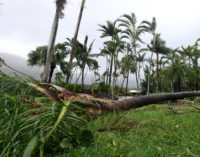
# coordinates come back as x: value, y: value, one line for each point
x: 84, y: 58
x: 131, y: 32
x: 60, y: 5
x: 177, y: 71
x: 140, y: 60
x: 127, y: 64
x: 75, y: 37
x: 105, y: 52
x: 149, y: 27
x: 158, y: 46
x: 110, y: 31
x: 118, y: 46
x: 186, y: 54
x: 38, y: 57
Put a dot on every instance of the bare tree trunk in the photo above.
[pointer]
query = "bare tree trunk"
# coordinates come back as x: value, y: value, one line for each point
x: 140, y: 101
x: 51, y: 45
x: 75, y: 37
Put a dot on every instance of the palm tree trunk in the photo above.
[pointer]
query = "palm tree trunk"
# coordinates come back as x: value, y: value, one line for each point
x: 111, y: 67
x: 83, y: 70
x: 76, y: 36
x: 107, y: 77
x: 140, y: 101
x: 136, y: 71
x: 73, y: 75
x: 114, y: 80
x: 149, y: 74
x: 122, y: 83
x: 51, y: 45
x: 127, y: 83
x: 157, y: 87
x: 76, y: 82
x: 52, y: 67
x: 136, y: 77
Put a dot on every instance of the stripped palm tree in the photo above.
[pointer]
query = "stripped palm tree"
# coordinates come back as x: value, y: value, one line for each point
x: 75, y: 38
x: 60, y: 6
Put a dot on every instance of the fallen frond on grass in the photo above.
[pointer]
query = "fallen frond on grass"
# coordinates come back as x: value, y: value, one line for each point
x: 124, y: 126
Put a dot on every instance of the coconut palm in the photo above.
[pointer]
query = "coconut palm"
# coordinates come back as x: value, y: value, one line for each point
x: 38, y: 57
x: 60, y: 5
x: 75, y: 37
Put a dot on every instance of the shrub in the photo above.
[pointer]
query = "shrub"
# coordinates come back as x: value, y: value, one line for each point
x: 75, y: 88
x: 100, y: 88
x: 95, y: 89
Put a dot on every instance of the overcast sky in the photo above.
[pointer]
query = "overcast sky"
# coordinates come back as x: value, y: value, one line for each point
x: 26, y: 24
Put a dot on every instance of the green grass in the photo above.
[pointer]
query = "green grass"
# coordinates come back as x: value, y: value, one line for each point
x: 161, y: 134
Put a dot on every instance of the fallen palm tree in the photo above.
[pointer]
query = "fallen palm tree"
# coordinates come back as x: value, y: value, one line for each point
x: 105, y: 105
x: 140, y: 101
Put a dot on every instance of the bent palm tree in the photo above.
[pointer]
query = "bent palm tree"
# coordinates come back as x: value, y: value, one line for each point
x: 60, y: 5
x: 75, y: 37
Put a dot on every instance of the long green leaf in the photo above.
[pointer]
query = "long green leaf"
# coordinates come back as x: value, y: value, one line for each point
x: 61, y: 115
x: 30, y: 147
x: 46, y: 92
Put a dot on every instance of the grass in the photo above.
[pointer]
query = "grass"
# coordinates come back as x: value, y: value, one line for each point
x: 160, y: 133
x: 148, y: 131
